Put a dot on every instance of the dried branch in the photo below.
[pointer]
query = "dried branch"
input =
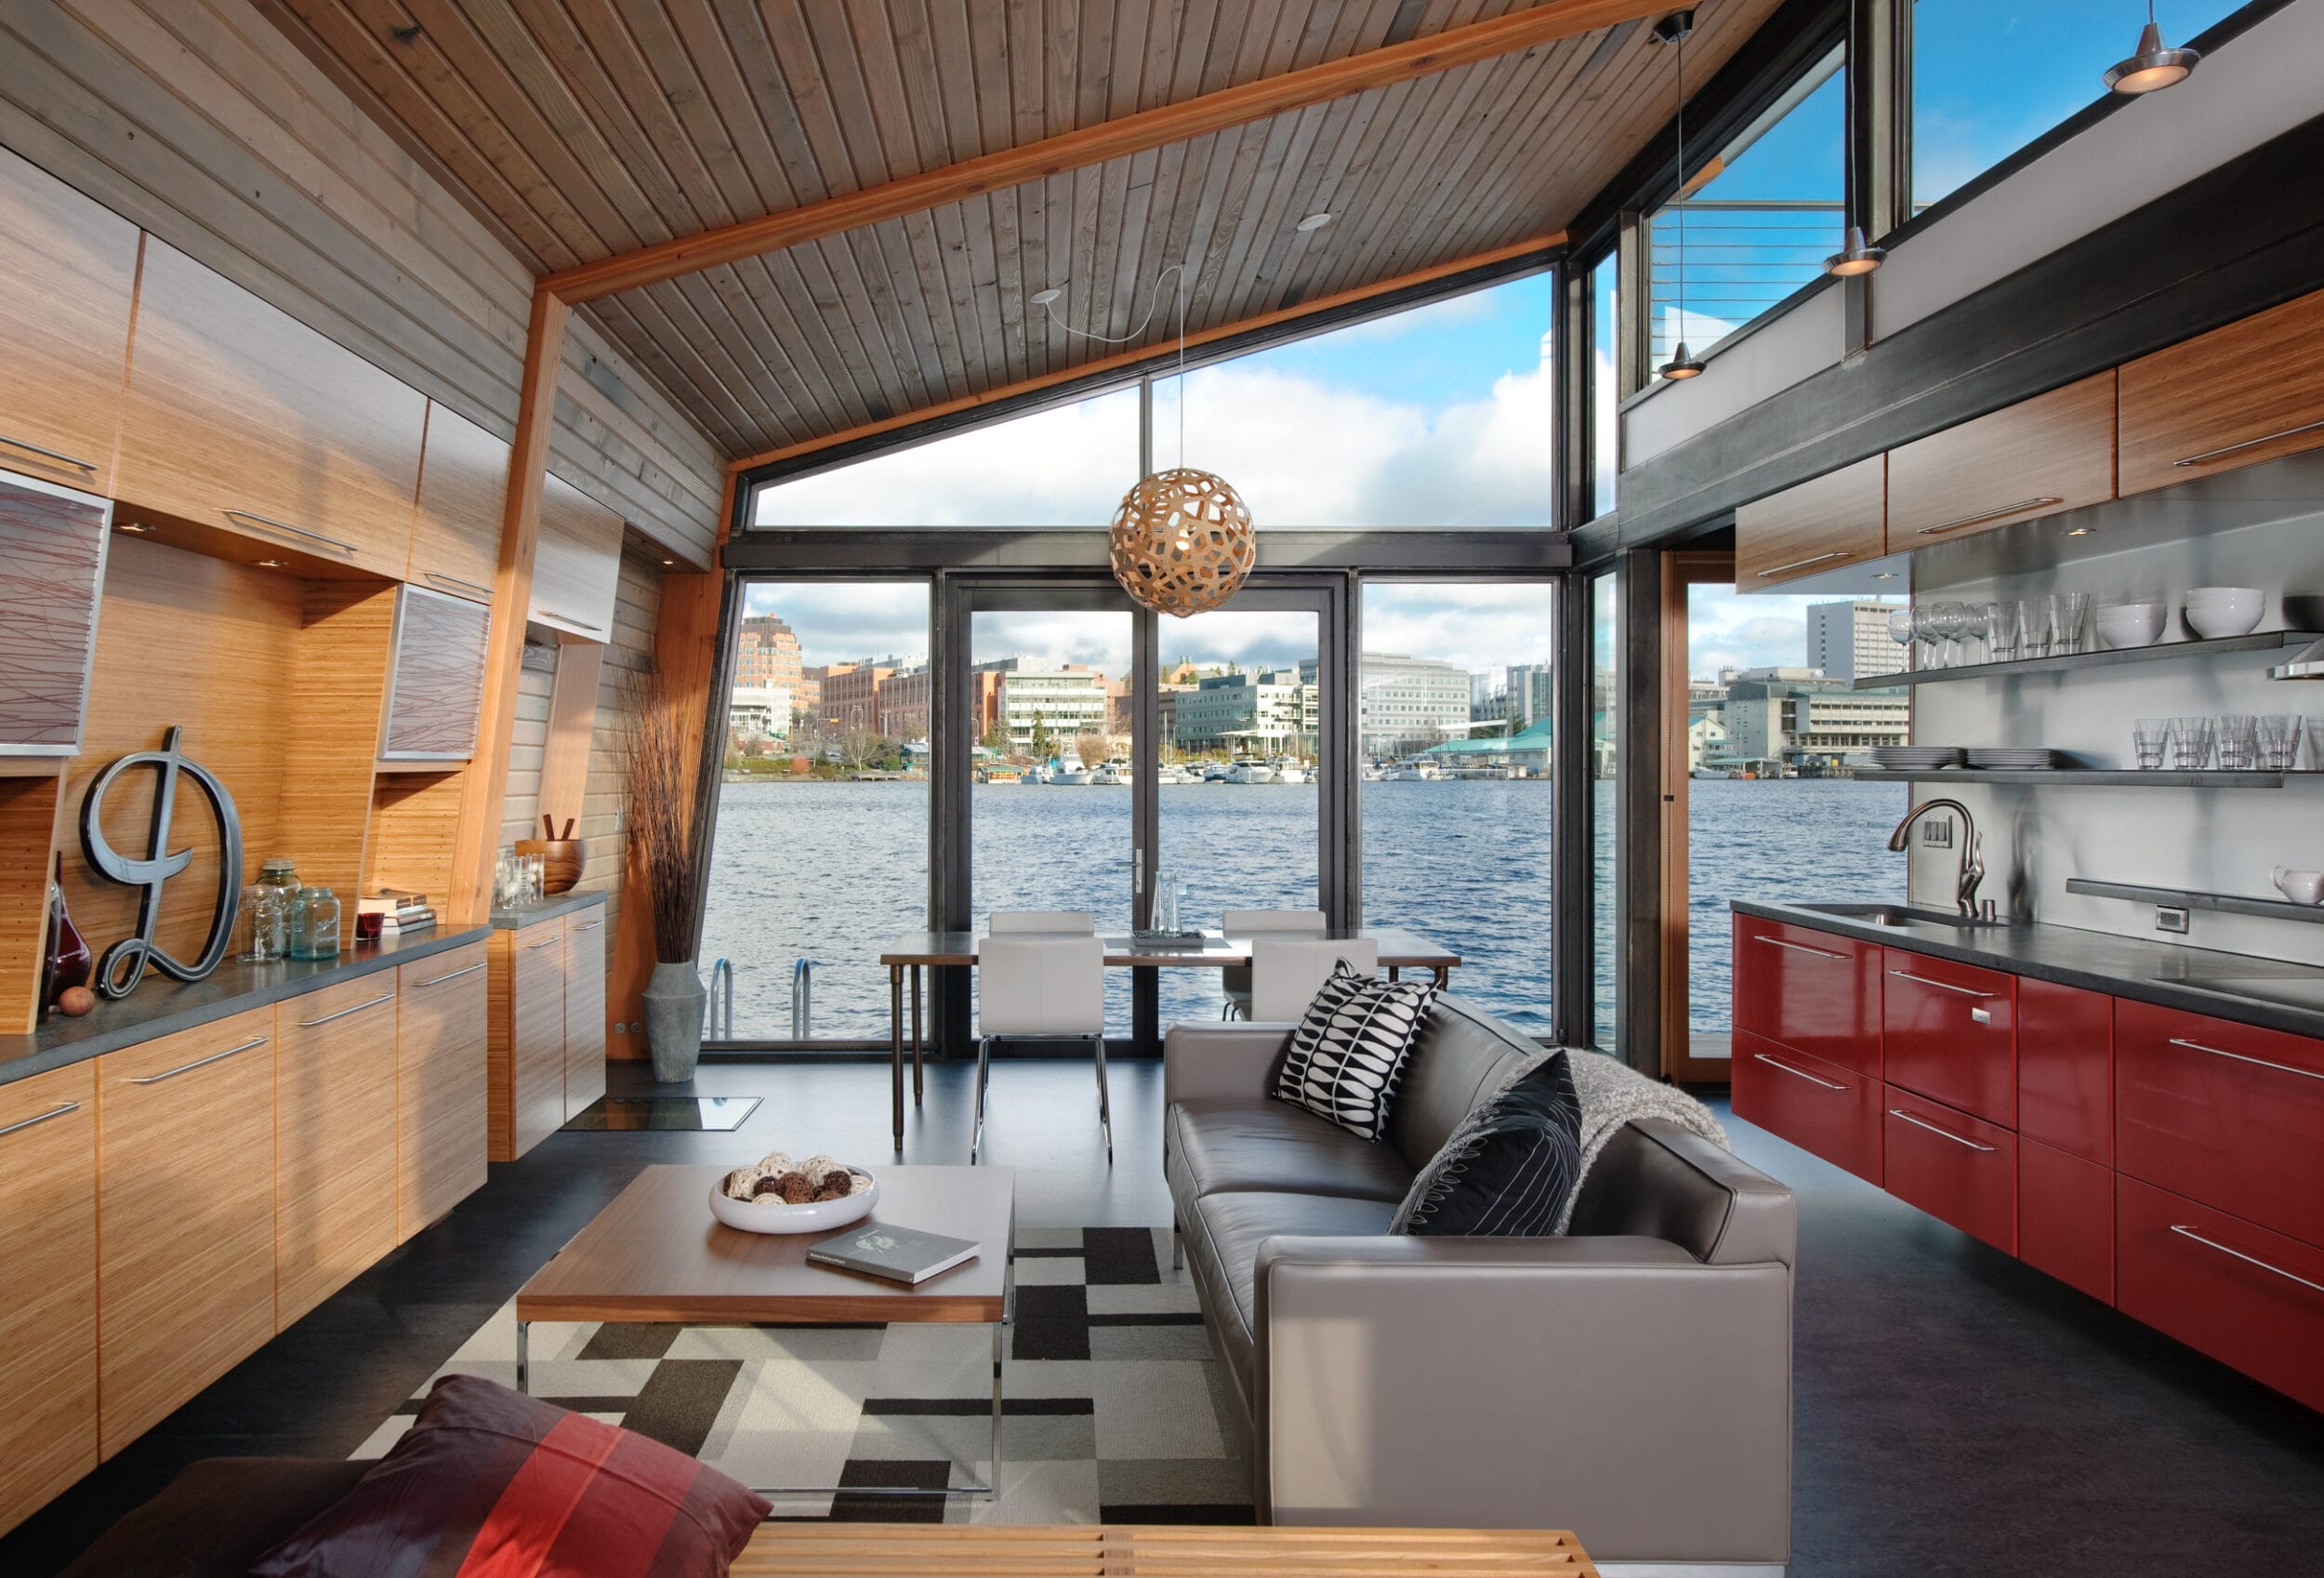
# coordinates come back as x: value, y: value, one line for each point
x: 663, y: 750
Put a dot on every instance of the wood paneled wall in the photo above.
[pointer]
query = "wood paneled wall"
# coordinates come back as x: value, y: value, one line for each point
x: 521, y: 809
x: 200, y: 120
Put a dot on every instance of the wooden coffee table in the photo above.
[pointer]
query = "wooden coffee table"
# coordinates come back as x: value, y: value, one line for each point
x: 656, y: 1254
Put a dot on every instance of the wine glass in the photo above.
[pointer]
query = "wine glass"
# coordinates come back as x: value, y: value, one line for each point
x: 1950, y: 621
x: 1900, y: 631
x: 1924, y: 632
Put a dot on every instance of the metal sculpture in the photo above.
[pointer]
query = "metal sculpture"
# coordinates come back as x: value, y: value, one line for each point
x: 121, y: 966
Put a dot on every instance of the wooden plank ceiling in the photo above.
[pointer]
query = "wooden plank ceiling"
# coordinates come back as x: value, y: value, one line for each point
x: 587, y: 128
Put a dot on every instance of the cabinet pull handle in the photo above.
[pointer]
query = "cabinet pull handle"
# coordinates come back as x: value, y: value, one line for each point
x: 439, y: 980
x: 2186, y: 1232
x: 590, y: 927
x: 201, y: 1062
x: 2255, y: 1062
x: 441, y: 579
x: 1804, y: 564
x: 72, y: 460
x: 42, y: 1116
x: 1940, y: 986
x: 2234, y: 448
x: 295, y: 531
x: 1797, y: 1073
x: 370, y: 1002
x: 544, y: 942
x: 1947, y: 1133
x: 1797, y: 947
x: 567, y: 618
x: 2045, y: 500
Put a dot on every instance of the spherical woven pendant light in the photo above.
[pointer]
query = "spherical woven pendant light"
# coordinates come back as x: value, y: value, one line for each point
x: 1183, y: 542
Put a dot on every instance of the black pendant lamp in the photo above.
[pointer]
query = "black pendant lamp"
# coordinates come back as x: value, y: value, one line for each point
x: 1672, y: 30
x: 2154, y: 66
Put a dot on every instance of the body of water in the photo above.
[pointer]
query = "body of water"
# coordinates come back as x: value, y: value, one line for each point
x: 830, y: 871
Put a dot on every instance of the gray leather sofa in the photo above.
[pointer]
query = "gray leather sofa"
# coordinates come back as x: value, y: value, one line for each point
x: 1630, y: 1382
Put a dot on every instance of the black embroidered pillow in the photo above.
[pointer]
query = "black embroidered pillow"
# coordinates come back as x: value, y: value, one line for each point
x: 1349, y: 1050
x: 1506, y: 1171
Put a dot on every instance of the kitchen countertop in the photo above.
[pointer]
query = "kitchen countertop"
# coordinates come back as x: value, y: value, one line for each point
x: 161, y: 1006
x: 547, y: 909
x: 2199, y: 980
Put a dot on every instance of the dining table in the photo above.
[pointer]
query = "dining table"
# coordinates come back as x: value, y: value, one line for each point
x: 914, y: 952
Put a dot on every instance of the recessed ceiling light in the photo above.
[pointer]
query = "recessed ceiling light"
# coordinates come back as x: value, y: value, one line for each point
x: 134, y: 527
x: 670, y: 561
x: 1884, y: 576
x: 1043, y: 297
x: 2080, y: 531
x: 271, y: 563
x: 1314, y: 221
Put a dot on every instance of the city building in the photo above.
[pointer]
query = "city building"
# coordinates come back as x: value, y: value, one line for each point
x: 1522, y: 754
x: 1259, y: 712
x: 1811, y: 721
x: 1706, y: 740
x: 903, y: 703
x: 1850, y: 641
x: 1405, y: 703
x: 766, y: 654
x: 851, y: 694
x: 760, y: 709
x: 1059, y: 704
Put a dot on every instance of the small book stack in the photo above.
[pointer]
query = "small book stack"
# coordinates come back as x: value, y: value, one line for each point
x: 399, y: 911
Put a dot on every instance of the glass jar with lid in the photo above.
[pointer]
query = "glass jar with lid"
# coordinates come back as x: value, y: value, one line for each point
x: 278, y: 879
x: 315, y: 925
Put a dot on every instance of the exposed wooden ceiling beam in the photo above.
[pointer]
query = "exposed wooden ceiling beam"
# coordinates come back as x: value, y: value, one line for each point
x: 1544, y: 23
x: 1120, y: 360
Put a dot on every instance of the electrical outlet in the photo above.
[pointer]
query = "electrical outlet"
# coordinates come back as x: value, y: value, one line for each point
x: 2168, y: 918
x: 1937, y: 834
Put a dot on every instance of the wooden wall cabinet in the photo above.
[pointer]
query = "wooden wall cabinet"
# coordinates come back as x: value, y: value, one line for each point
x: 68, y: 274
x: 2252, y: 390
x: 463, y: 492
x: 584, y: 1010
x: 527, y: 1085
x: 1828, y: 523
x: 52, y: 571
x: 185, y: 1217
x: 436, y: 687
x: 442, y: 1003
x: 2039, y: 457
x: 334, y: 1191
x: 49, y: 1319
x: 577, y: 567
x: 239, y: 417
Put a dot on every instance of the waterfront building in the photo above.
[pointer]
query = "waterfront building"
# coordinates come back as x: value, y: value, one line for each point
x: 1850, y: 641
x: 767, y: 655
x: 1260, y: 711
x: 851, y: 694
x: 1706, y: 740
x: 1811, y: 721
x: 903, y: 703
x: 1525, y: 753
x: 760, y: 709
x: 1060, y: 703
x: 1405, y: 703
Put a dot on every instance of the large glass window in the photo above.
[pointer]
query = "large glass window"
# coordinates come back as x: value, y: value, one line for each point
x: 1989, y: 76
x: 820, y: 851
x: 1438, y: 416
x: 1606, y: 382
x: 1606, y: 827
x: 1762, y: 223
x: 1454, y: 704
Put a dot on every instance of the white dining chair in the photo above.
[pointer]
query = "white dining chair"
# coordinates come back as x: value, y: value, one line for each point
x: 1286, y: 971
x: 1047, y: 988
x: 1080, y: 921
x: 1234, y: 980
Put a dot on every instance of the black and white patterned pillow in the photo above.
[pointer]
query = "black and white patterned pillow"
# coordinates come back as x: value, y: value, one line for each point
x: 1349, y: 1050
x: 1506, y: 1171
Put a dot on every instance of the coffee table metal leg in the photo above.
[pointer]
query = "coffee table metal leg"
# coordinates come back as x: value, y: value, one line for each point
x: 525, y: 1367
x: 915, y: 1035
x: 895, y: 1046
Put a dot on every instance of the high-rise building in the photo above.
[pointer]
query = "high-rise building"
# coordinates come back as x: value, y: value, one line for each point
x: 766, y: 656
x: 1776, y: 717
x: 1850, y: 641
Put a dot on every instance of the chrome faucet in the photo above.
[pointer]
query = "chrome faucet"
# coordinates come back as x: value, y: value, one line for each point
x: 1972, y: 849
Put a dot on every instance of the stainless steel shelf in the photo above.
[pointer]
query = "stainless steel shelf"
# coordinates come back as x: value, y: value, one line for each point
x: 2259, y: 641
x: 2083, y: 777
x: 2182, y: 898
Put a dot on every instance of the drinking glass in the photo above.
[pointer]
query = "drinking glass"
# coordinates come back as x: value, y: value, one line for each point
x: 1924, y: 632
x: 2073, y: 614
x: 1951, y: 620
x: 2278, y: 740
x: 2000, y: 644
x: 2190, y: 744
x: 2151, y: 737
x: 2238, y: 740
x: 2033, y: 625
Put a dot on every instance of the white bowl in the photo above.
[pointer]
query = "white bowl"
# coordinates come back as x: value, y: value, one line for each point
x: 2131, y: 624
x: 2215, y: 611
x: 776, y: 1216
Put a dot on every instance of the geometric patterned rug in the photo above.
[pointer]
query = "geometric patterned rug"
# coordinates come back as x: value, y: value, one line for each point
x: 1111, y: 1408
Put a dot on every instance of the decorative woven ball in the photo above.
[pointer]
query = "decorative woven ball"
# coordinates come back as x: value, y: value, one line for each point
x: 1183, y: 542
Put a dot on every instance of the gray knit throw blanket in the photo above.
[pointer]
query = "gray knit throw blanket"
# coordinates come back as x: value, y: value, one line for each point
x: 1613, y: 1093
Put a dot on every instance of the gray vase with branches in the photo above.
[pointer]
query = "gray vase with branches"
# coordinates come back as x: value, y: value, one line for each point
x: 664, y: 751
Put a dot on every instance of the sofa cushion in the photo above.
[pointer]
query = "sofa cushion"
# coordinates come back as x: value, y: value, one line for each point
x: 1224, y: 1236
x: 1460, y: 1055
x: 217, y: 1517
x: 1271, y: 1146
x: 1507, y: 1170
x: 1347, y: 1051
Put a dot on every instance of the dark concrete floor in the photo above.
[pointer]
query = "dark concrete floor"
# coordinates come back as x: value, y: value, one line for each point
x: 1955, y: 1412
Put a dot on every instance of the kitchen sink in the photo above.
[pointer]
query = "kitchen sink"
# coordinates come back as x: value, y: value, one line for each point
x: 1896, y: 916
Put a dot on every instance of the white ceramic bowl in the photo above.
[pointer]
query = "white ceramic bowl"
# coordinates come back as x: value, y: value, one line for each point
x: 775, y: 1216
x: 2131, y: 624
x: 2215, y: 611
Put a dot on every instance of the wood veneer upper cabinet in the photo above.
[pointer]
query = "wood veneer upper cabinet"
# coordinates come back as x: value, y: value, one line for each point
x: 1833, y: 522
x: 68, y: 273
x: 440, y: 1006
x: 185, y: 1217
x: 438, y: 689
x: 576, y: 567
x: 584, y: 1009
x: 2247, y: 392
x: 527, y: 1064
x: 463, y: 489
x: 48, y: 1320
x: 334, y: 1097
x: 2052, y: 453
x: 241, y: 418
x: 52, y: 570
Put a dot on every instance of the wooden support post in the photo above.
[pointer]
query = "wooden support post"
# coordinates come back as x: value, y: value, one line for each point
x: 572, y: 728
x: 512, y: 595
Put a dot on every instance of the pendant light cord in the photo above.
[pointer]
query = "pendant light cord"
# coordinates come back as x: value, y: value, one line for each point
x: 1679, y: 48
x: 1153, y: 298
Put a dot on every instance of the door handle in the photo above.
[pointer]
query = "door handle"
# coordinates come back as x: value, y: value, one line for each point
x: 273, y: 524
x: 2045, y: 500
x: 441, y: 579
x: 1804, y: 564
x: 2237, y: 448
x: 1943, y: 1134
x: 2186, y: 1232
x: 544, y: 942
x: 1940, y: 986
x: 1797, y: 1073
x: 1981, y: 1016
x: 451, y: 975
x: 42, y: 1116
x: 62, y: 458
x: 2254, y: 1062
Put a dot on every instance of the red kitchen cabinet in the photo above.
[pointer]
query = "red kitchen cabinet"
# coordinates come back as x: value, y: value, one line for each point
x: 2222, y: 1113
x: 1819, y: 1106
x: 2066, y: 1218
x: 1948, y: 1032
x: 1953, y: 1166
x: 1810, y: 991
x: 2244, y: 1296
x: 2066, y: 1069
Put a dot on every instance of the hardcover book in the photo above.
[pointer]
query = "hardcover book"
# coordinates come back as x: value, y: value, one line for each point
x: 901, y: 1254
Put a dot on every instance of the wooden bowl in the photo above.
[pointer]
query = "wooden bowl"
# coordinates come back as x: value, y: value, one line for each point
x: 560, y: 863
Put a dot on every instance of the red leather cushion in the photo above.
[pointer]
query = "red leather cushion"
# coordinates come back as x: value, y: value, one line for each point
x: 489, y: 1483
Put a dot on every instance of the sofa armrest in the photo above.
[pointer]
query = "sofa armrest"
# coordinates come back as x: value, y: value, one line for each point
x: 1662, y: 1180
x: 1618, y: 1386
x: 1220, y: 1062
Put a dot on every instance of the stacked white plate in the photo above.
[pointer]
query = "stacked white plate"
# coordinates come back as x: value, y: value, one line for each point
x: 2012, y: 758
x: 1916, y: 758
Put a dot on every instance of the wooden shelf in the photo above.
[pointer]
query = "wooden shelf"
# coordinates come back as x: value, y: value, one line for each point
x: 2085, y: 778
x: 2259, y: 641
x: 2184, y: 898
